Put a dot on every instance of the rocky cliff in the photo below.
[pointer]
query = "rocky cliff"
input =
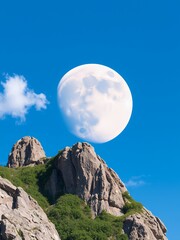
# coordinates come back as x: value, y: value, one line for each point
x: 79, y: 170
x: 26, y: 151
x: 21, y: 218
x: 82, y: 172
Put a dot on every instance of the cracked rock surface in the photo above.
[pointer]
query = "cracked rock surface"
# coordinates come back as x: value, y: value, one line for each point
x: 144, y: 226
x: 85, y: 174
x: 21, y: 218
x: 26, y: 151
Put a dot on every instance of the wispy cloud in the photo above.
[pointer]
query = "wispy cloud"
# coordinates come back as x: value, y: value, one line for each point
x: 16, y: 98
x: 136, y: 181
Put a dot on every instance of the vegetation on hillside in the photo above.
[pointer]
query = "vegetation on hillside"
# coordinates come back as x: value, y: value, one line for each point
x: 32, y: 179
x: 71, y: 216
x: 131, y: 206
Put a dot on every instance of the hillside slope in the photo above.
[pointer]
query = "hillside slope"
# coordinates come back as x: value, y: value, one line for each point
x: 84, y: 198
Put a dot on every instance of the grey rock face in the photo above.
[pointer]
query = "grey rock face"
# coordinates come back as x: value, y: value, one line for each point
x: 21, y: 217
x: 144, y: 226
x: 78, y: 170
x: 26, y: 151
x: 85, y: 174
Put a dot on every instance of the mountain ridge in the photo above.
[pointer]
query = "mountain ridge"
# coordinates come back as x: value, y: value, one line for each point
x: 78, y: 170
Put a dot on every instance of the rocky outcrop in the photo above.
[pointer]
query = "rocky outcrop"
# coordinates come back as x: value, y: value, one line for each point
x: 21, y: 217
x: 75, y: 170
x: 79, y: 170
x: 26, y: 151
x: 85, y: 174
x: 144, y: 226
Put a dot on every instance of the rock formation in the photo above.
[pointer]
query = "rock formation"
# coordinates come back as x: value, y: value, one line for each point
x: 144, y: 226
x: 78, y: 170
x: 21, y: 217
x: 26, y: 151
x: 85, y: 174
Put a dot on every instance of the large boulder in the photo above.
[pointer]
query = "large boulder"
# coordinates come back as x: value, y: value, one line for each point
x: 26, y: 151
x: 21, y: 217
x: 144, y: 226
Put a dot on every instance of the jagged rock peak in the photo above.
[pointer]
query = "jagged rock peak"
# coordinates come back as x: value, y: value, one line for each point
x: 79, y: 170
x: 26, y: 151
x: 85, y: 174
x: 21, y: 217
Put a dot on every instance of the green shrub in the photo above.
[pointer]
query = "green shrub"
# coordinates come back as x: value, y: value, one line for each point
x: 131, y: 206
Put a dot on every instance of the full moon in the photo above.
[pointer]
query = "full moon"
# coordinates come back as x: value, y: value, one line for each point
x: 95, y: 101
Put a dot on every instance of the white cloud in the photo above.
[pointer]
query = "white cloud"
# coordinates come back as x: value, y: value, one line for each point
x: 135, y: 181
x: 16, y: 98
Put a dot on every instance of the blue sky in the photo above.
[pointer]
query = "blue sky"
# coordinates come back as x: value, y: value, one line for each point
x: 42, y: 40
